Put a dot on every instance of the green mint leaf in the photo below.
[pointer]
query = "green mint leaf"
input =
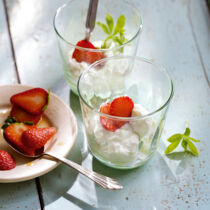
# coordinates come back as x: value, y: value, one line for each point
x: 184, y: 144
x: 104, y: 27
x: 192, y: 148
x: 117, y: 40
x: 175, y: 137
x: 109, y: 22
x: 172, y: 147
x: 119, y: 25
x: 187, y: 132
x: 107, y: 42
x: 192, y: 139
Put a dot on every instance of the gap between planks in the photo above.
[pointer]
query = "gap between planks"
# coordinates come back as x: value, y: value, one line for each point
x: 37, y: 180
x: 196, y: 43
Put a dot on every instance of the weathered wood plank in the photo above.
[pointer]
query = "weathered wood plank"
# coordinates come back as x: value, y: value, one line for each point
x: 7, y: 70
x: 16, y: 195
x: 177, y: 182
x: 35, y: 43
x: 198, y: 16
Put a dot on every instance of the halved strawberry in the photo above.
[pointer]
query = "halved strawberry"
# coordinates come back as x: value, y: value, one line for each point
x: 33, y: 101
x: 6, y: 161
x: 23, y: 116
x: 84, y: 55
x: 106, y: 122
x: 122, y: 107
x: 13, y: 134
x: 36, y: 138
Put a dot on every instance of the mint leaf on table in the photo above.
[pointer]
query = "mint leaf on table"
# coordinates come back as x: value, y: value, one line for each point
x: 175, y: 137
x: 192, y: 148
x: 172, y: 147
x: 186, y: 142
x: 115, y: 34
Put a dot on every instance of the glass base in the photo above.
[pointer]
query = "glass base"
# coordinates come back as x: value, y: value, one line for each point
x: 122, y: 167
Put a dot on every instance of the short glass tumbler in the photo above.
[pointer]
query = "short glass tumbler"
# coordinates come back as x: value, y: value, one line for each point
x: 124, y: 142
x: 69, y: 25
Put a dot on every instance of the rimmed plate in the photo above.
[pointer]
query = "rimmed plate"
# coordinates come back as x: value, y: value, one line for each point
x: 57, y: 114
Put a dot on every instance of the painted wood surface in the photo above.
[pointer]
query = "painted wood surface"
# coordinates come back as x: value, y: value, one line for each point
x: 175, y: 34
x: 21, y: 195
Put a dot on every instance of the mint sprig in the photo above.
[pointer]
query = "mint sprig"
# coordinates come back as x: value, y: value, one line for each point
x: 115, y: 34
x: 186, y: 142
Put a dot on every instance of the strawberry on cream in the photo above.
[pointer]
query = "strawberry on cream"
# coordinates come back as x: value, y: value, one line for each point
x: 118, y: 142
x: 130, y: 142
x: 76, y: 68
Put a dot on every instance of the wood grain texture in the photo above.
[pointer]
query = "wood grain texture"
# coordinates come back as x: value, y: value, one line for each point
x: 7, y: 70
x: 176, y: 35
x: 19, y: 195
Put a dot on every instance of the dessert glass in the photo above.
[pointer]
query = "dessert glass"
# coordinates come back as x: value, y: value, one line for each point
x: 69, y: 25
x: 151, y: 90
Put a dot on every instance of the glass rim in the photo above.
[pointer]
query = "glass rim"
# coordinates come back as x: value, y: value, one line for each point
x: 160, y: 68
x: 96, y: 50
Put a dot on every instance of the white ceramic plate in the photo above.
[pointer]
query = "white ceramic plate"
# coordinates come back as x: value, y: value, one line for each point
x: 59, y: 115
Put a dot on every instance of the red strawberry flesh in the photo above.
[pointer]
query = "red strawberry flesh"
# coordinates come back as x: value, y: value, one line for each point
x: 36, y: 138
x: 6, y: 161
x: 32, y: 101
x: 13, y: 134
x: 81, y: 55
x: 23, y: 116
x: 120, y: 107
x: 107, y: 123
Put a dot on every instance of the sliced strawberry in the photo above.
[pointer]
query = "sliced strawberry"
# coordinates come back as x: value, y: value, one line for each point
x: 23, y: 116
x: 13, y: 134
x: 33, y: 101
x: 6, y: 161
x: 84, y: 55
x: 106, y: 122
x: 122, y: 107
x: 36, y: 138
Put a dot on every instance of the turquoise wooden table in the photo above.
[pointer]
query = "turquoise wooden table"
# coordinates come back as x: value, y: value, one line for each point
x: 176, y: 33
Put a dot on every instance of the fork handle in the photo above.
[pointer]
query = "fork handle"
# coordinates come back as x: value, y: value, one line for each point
x: 103, y: 181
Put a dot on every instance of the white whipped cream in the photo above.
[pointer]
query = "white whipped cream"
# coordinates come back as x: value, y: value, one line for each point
x: 76, y: 68
x: 130, y: 142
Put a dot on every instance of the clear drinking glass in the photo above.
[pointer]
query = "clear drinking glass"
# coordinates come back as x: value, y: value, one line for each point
x: 69, y: 25
x: 151, y: 90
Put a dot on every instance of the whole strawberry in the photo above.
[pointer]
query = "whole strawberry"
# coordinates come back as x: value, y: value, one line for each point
x: 6, y: 161
x: 36, y: 138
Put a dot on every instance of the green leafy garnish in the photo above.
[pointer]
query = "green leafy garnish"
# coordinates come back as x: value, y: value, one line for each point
x: 10, y: 120
x: 115, y: 34
x: 186, y: 142
x: 48, y: 100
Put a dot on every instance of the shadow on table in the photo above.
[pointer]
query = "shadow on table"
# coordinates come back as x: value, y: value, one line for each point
x: 139, y: 184
x: 56, y: 183
x: 183, y: 158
